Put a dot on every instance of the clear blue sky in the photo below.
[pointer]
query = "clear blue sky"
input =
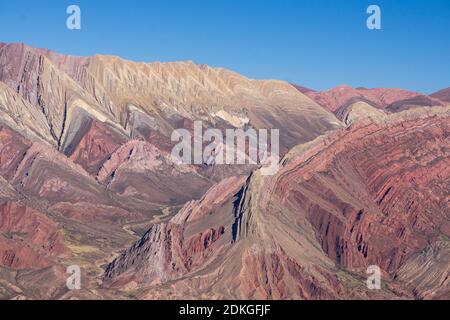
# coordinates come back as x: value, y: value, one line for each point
x: 315, y: 43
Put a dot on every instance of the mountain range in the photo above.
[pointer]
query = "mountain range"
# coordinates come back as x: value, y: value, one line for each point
x: 87, y: 179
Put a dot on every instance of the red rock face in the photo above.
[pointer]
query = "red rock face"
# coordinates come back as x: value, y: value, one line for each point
x: 398, y: 188
x: 95, y: 147
x: 278, y: 276
x: 12, y: 150
x: 391, y: 99
x: 29, y: 239
x: 374, y: 194
x: 86, y: 174
x: 178, y: 248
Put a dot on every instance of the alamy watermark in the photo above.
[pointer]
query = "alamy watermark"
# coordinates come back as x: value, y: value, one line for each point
x: 374, y: 279
x: 73, y: 282
x: 73, y: 22
x: 236, y: 147
x: 374, y: 20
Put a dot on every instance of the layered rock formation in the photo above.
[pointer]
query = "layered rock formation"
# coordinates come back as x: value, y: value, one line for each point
x: 136, y: 98
x: 90, y: 108
x: 85, y: 142
x: 373, y: 194
x: 29, y: 237
x: 87, y: 178
x: 338, y: 99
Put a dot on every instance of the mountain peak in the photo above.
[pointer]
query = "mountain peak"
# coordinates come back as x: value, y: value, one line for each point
x: 443, y: 95
x: 86, y: 169
x: 383, y: 98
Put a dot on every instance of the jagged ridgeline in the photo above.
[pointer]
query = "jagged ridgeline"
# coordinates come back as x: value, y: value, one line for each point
x: 87, y: 179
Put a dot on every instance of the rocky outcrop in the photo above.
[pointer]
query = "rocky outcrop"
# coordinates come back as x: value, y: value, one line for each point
x: 39, y: 77
x: 13, y: 149
x: 392, y: 208
x: 375, y: 193
x: 95, y: 144
x: 170, y: 250
x: 29, y: 238
x: 360, y: 111
x: 426, y: 273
